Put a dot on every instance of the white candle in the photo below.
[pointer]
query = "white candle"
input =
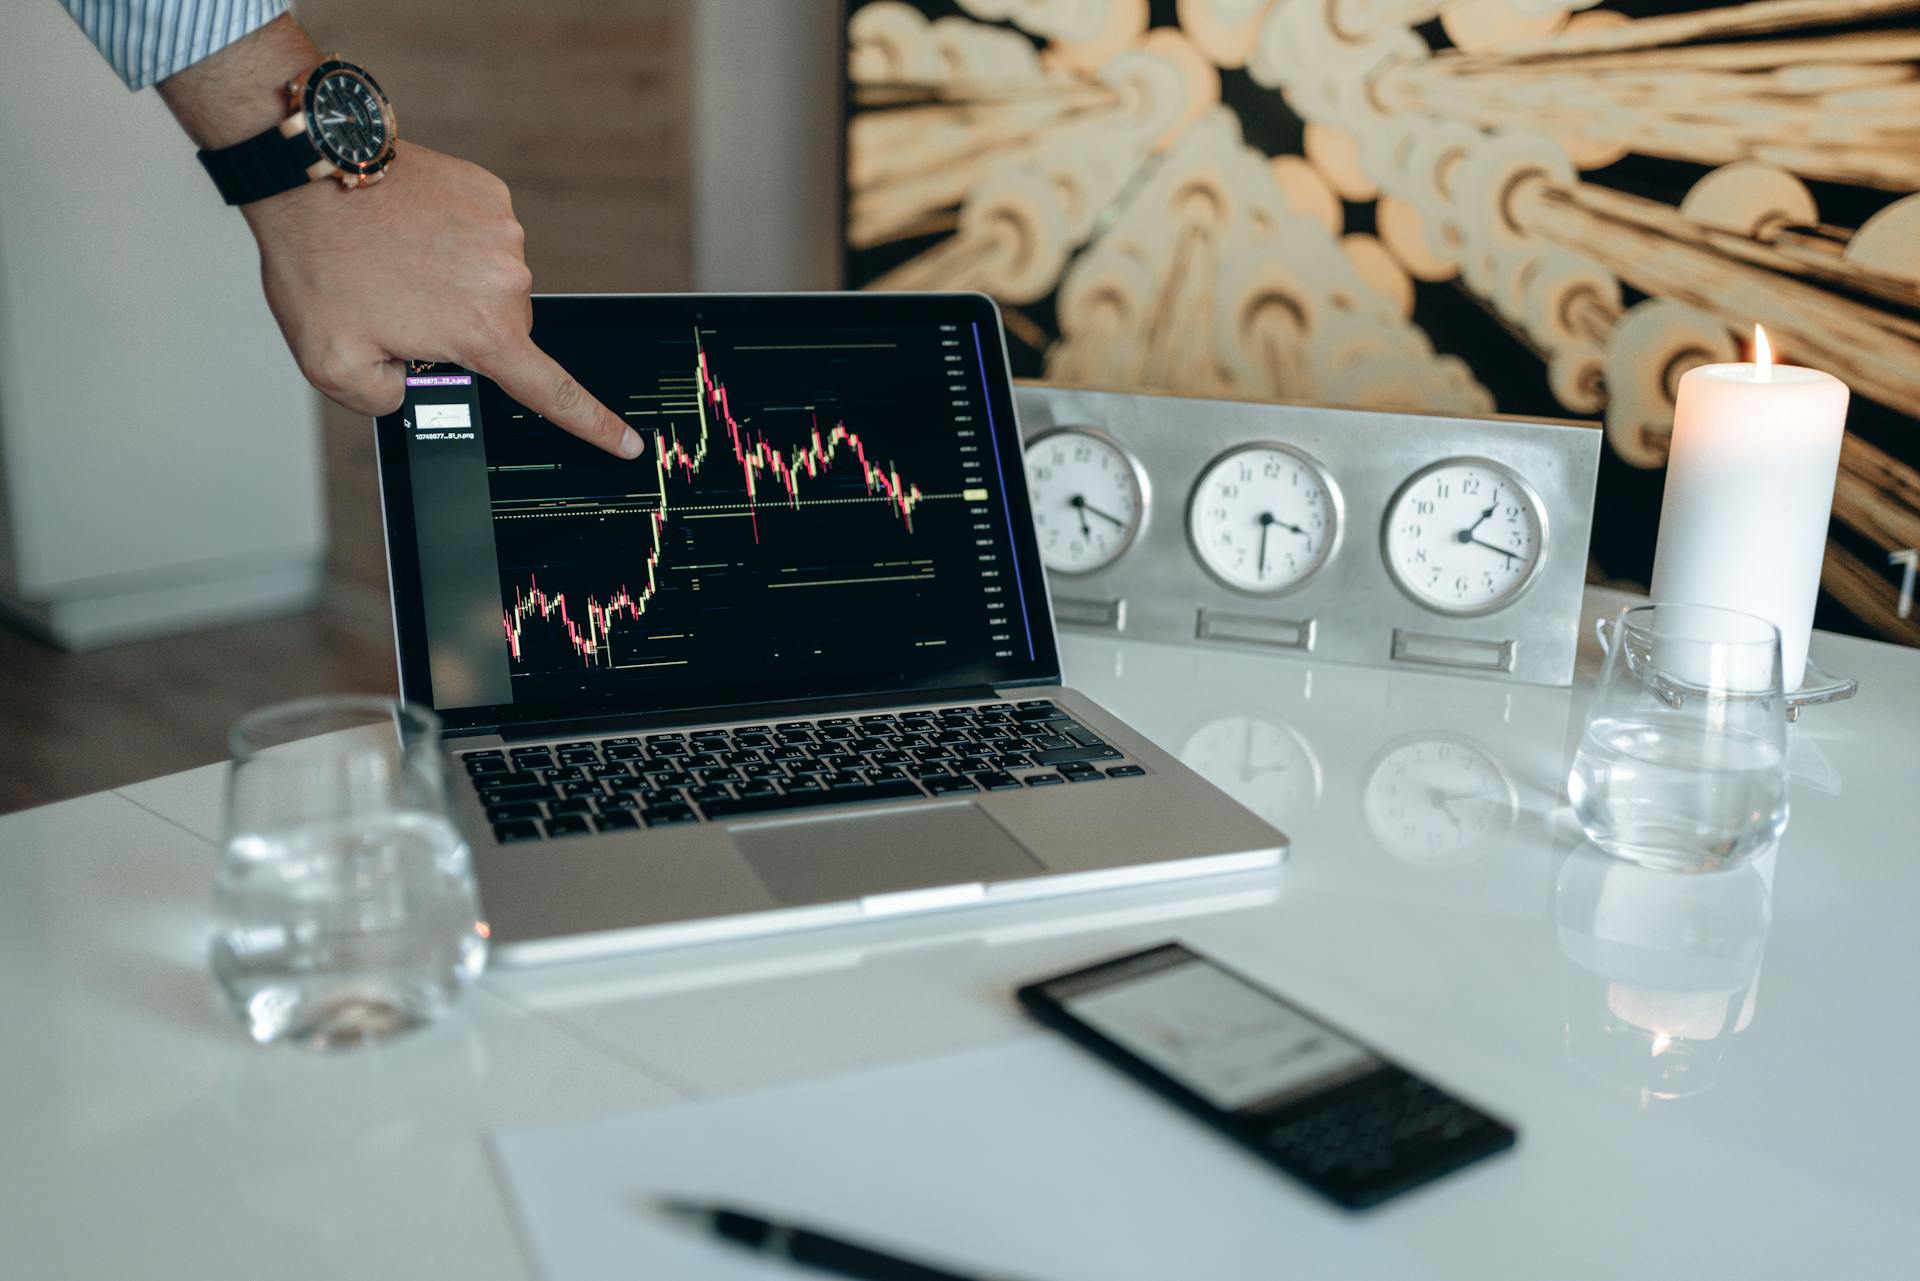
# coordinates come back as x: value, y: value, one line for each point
x: 1756, y: 448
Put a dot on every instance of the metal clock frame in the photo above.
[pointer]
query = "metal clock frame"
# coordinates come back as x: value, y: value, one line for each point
x: 1519, y: 482
x: 1141, y: 481
x: 1326, y: 552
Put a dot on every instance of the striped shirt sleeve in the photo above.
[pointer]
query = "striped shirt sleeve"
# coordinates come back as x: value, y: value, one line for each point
x: 149, y: 40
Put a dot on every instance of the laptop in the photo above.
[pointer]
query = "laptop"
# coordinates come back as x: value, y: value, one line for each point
x: 794, y: 666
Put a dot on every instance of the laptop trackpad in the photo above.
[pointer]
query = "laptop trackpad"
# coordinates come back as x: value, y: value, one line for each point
x: 849, y: 856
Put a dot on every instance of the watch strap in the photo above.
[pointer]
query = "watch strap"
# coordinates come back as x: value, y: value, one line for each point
x: 264, y: 165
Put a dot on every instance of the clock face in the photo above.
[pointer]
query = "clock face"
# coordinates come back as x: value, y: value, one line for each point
x: 1464, y: 536
x: 1088, y: 500
x: 1268, y: 768
x: 353, y: 126
x: 1263, y: 518
x: 1438, y: 801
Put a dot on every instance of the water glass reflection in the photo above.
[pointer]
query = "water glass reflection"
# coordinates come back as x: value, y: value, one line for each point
x: 1683, y: 763
x: 345, y: 902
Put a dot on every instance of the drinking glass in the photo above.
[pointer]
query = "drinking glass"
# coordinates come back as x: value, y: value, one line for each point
x: 1683, y: 762
x: 344, y: 901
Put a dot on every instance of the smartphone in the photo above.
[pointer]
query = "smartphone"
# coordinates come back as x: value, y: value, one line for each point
x: 1332, y: 1112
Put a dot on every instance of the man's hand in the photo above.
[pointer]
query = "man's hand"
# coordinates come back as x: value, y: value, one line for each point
x: 424, y: 265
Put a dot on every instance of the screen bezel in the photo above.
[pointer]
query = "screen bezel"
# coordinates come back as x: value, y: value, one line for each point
x: 825, y: 309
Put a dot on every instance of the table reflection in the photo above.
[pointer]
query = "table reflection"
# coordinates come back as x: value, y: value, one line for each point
x: 1661, y: 970
x: 1266, y: 765
x: 1438, y: 800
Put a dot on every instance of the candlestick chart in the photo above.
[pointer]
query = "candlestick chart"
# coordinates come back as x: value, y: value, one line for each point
x: 803, y: 499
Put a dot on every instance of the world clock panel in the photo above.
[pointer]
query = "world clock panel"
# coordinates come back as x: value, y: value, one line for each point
x: 1357, y: 536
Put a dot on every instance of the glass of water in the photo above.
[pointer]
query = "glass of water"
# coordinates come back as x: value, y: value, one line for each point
x: 345, y: 904
x: 1683, y: 763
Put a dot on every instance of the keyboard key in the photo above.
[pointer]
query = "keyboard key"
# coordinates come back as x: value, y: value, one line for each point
x: 1125, y: 771
x: 1033, y: 703
x: 540, y: 749
x: 666, y: 738
x: 1080, y: 734
x: 804, y: 786
x: 944, y: 786
x: 669, y: 815
x: 790, y: 727
x: 483, y: 754
x: 844, y: 783
x: 491, y: 765
x: 558, y: 773
x: 927, y: 769
x: 582, y: 787
x: 574, y: 747
x: 624, y: 752
x: 508, y: 813
x: 521, y: 830
x: 617, y: 820
x: 884, y: 774
x: 714, y: 792
x: 1076, y: 753
x: 996, y: 781
x: 662, y: 751
x: 1044, y: 780
x: 883, y: 718
x: 764, y: 769
x: 570, y: 805
x: 971, y: 765
x: 587, y: 757
x: 1051, y: 742
x: 756, y: 739
x: 567, y: 825
x: 615, y: 770
x: 758, y: 787
x: 516, y: 792
x: 894, y: 791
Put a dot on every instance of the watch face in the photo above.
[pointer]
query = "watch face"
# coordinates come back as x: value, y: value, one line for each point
x: 349, y: 119
x: 1464, y: 536
x: 1263, y: 518
x: 1088, y: 501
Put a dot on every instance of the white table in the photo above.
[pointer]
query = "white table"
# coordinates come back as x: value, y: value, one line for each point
x: 1773, y: 1135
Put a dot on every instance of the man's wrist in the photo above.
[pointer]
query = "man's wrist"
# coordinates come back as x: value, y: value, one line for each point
x: 241, y: 90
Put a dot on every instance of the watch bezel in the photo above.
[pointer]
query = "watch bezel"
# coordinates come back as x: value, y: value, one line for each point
x: 351, y: 172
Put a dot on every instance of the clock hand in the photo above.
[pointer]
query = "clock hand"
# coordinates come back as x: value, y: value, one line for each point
x: 1267, y: 522
x: 1466, y: 535
x: 1079, y: 504
x: 1490, y: 547
x: 1084, y: 505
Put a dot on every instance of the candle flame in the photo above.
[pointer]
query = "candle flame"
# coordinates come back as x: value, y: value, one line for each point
x: 1662, y: 1042
x: 1762, y: 356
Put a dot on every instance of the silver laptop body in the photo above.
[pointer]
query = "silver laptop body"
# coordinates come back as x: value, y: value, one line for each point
x: 627, y: 823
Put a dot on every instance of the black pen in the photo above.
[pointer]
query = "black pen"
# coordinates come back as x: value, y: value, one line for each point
x: 810, y: 1249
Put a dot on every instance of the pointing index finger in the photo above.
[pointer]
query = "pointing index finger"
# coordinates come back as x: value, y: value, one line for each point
x: 537, y: 381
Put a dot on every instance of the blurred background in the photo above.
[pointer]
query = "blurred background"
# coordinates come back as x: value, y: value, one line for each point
x: 1536, y: 207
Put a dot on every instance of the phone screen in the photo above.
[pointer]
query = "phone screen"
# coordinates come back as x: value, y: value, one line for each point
x: 1228, y: 1041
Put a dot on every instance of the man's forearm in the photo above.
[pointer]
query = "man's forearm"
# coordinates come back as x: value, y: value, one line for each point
x: 241, y: 90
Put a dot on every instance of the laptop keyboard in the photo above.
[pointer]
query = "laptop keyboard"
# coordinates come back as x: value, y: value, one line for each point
x: 660, y: 780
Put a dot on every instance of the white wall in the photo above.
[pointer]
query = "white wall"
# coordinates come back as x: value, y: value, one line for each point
x: 158, y: 448
x: 766, y: 151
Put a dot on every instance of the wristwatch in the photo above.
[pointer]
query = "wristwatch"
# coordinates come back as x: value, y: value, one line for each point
x: 341, y: 127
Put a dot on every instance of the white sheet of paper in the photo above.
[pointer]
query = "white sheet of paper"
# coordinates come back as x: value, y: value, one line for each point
x: 1028, y: 1160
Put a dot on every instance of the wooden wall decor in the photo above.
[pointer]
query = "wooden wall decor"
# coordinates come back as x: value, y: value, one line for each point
x: 1540, y: 207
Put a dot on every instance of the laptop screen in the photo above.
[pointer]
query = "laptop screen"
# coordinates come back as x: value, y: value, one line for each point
x: 830, y: 503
